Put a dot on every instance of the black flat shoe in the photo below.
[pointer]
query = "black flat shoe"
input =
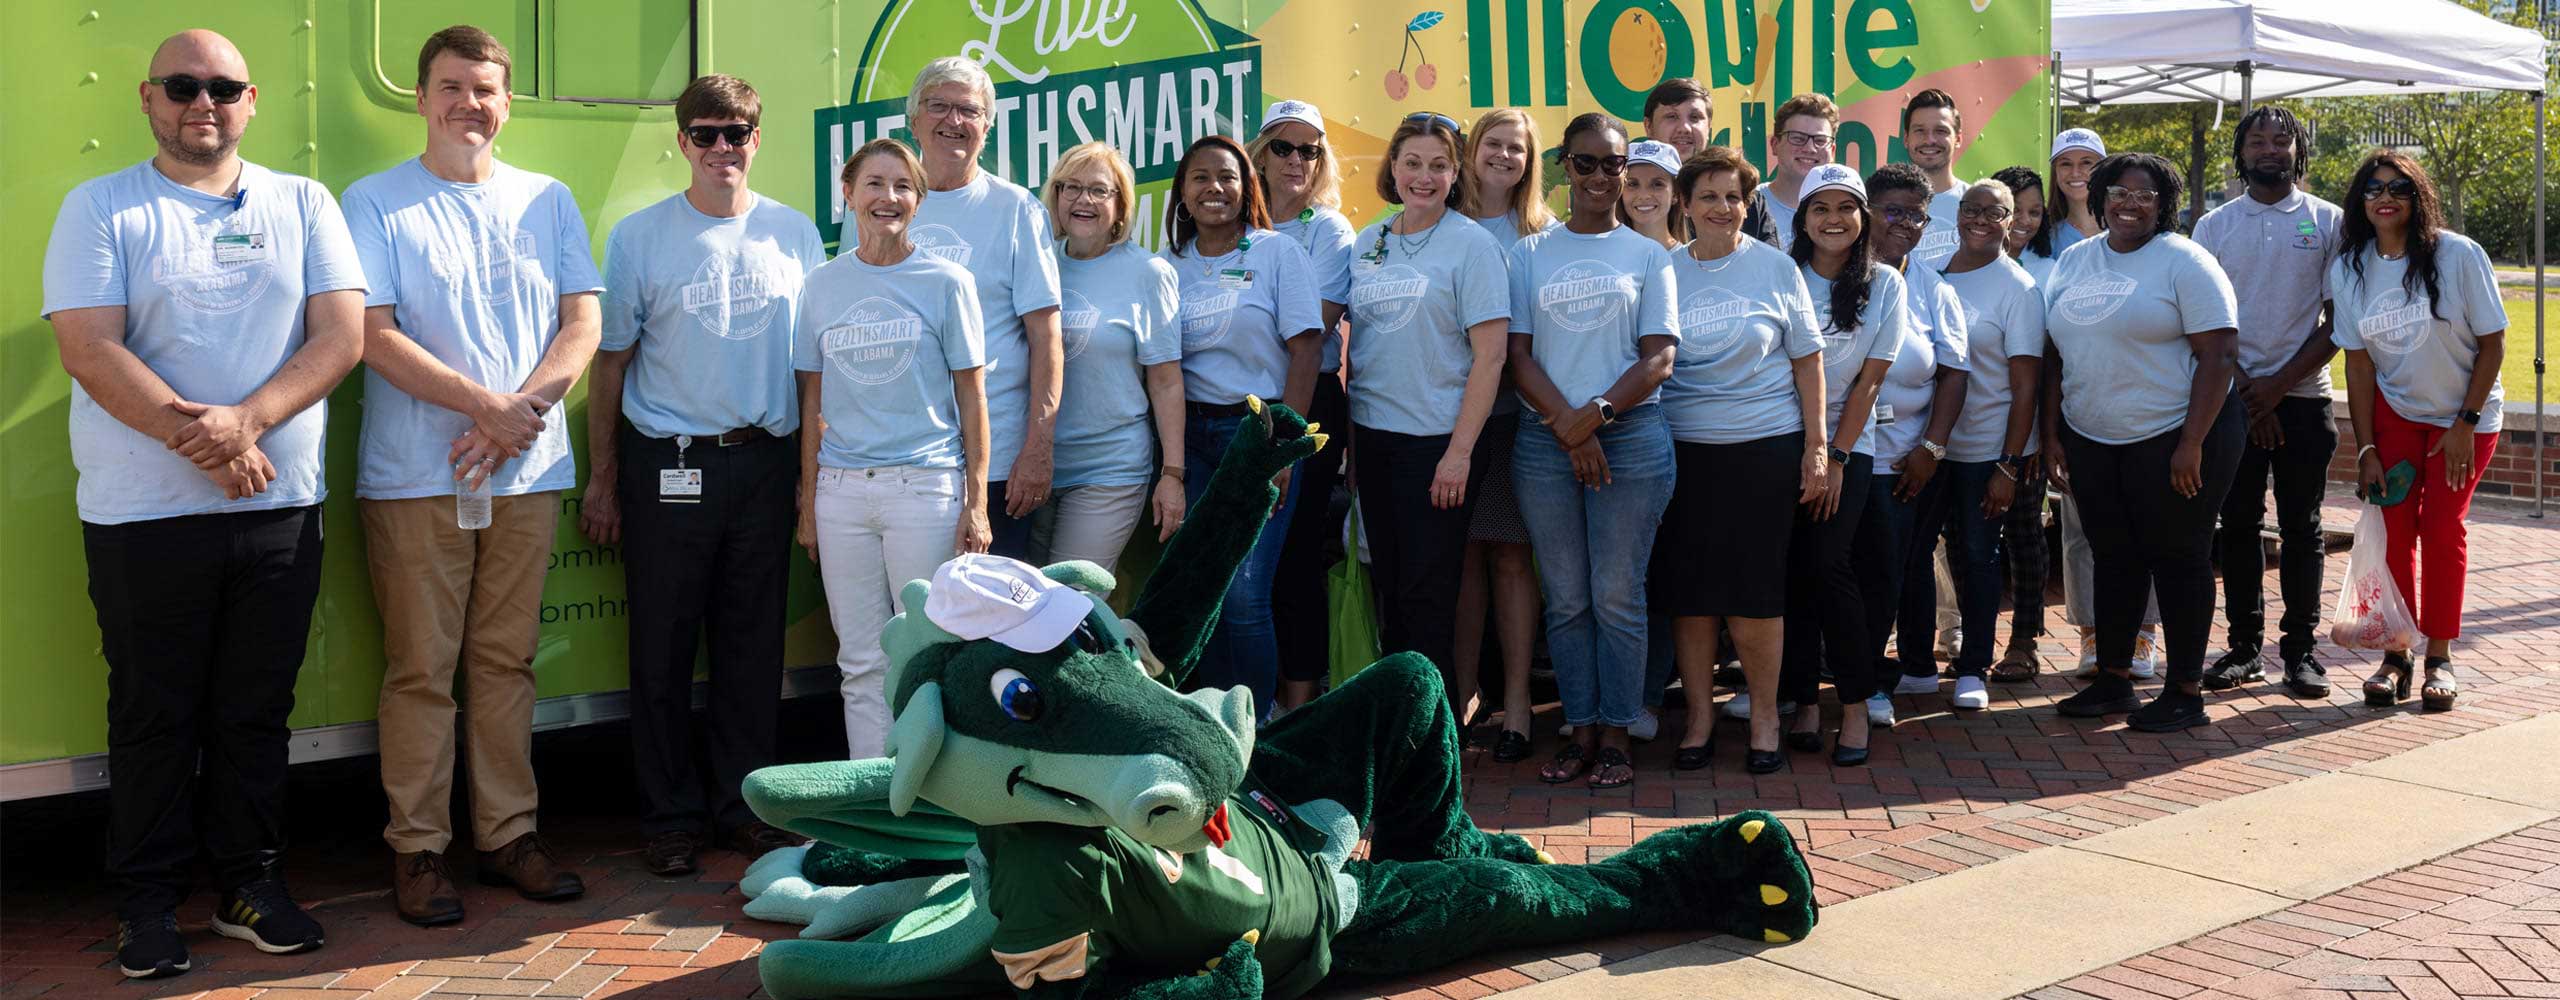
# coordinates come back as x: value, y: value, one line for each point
x: 1694, y: 758
x: 1844, y: 755
x: 2107, y: 694
x: 2174, y: 710
x: 2306, y: 678
x: 1511, y: 747
x: 1807, y: 742
x: 2235, y: 668
x: 1764, y: 761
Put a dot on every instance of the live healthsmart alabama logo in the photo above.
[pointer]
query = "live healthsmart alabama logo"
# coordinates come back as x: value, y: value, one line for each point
x: 1147, y: 76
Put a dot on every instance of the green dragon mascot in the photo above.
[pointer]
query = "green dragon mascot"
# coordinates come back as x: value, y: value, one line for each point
x: 1054, y: 818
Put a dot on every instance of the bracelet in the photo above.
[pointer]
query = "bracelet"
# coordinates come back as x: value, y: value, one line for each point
x: 1173, y: 471
x: 2004, y: 469
x: 2360, y: 452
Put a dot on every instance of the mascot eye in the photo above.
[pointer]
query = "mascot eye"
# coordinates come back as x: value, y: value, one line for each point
x: 1016, y: 695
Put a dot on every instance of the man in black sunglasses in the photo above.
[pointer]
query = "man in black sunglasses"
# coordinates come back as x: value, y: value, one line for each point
x: 205, y: 307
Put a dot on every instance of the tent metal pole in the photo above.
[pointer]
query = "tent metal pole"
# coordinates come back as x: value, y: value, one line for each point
x: 2248, y: 79
x: 2541, y: 411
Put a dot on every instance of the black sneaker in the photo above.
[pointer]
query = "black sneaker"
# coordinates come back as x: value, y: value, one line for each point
x: 2172, y: 711
x: 149, y: 947
x: 2235, y: 668
x: 264, y: 914
x: 2304, y: 676
x: 2108, y: 693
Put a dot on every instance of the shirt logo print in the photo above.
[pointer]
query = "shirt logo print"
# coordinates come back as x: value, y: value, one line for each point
x: 1387, y: 298
x: 736, y: 294
x: 1206, y: 318
x: 2091, y: 293
x: 873, y: 342
x: 191, y: 275
x: 1077, y: 319
x: 942, y: 241
x: 491, y: 267
x: 1711, y: 321
x: 1586, y: 295
x: 2394, y: 322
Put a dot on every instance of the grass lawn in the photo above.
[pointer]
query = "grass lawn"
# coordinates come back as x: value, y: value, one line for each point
x: 2518, y: 371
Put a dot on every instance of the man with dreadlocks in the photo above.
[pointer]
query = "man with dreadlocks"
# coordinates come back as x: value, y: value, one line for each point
x: 2277, y: 243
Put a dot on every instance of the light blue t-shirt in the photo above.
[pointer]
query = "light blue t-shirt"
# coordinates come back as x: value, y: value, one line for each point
x: 1240, y: 309
x: 474, y: 274
x: 1782, y: 218
x: 2121, y: 322
x: 715, y: 301
x: 2004, y: 319
x: 1504, y: 228
x: 1938, y: 243
x: 1586, y: 300
x: 214, y: 291
x: 885, y: 341
x: 2039, y: 267
x: 1119, y: 316
x: 1326, y: 237
x: 1411, y: 308
x: 1878, y: 338
x: 2422, y: 361
x: 1744, y: 320
x: 999, y: 234
x: 1933, y: 338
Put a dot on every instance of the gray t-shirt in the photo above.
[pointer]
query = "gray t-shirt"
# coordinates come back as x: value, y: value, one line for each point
x: 1932, y: 338
x: 1586, y: 300
x: 1413, y: 299
x: 2281, y: 254
x: 2422, y: 351
x: 1117, y: 315
x: 1326, y: 237
x: 2121, y: 322
x: 1744, y: 319
x: 2004, y: 319
x: 1877, y: 338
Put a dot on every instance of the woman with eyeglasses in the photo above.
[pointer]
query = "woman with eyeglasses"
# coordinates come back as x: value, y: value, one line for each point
x: 2143, y: 349
x: 1500, y: 171
x: 2076, y: 153
x: 1915, y: 413
x: 2022, y: 530
x: 1124, y: 368
x: 1250, y: 309
x: 1745, y: 406
x: 893, y: 414
x: 1592, y: 338
x: 1304, y: 188
x: 1430, y: 313
x: 1826, y: 615
x: 1646, y: 202
x: 2416, y: 309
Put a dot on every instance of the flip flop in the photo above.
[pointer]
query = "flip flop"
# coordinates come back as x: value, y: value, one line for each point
x: 1568, y: 764
x: 1614, y: 770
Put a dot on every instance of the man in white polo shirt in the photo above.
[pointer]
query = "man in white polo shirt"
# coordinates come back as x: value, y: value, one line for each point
x: 204, y: 306
x: 481, y: 315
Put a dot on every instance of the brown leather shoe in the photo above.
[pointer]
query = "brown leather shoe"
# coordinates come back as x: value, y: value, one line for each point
x: 754, y: 839
x: 526, y: 863
x: 422, y: 889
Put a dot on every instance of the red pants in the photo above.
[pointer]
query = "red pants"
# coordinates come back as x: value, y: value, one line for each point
x: 2432, y: 514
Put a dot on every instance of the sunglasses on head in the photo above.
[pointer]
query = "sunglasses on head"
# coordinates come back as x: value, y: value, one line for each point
x: 1436, y: 118
x: 1583, y: 163
x: 1286, y: 150
x: 2400, y: 188
x: 183, y: 89
x: 703, y: 136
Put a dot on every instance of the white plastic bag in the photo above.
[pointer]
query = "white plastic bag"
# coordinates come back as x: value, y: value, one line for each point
x: 2371, y: 614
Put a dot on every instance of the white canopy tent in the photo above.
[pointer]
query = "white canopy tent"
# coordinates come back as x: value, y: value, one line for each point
x: 2244, y: 51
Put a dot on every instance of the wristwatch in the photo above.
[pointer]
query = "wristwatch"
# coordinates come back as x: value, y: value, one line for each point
x: 2471, y: 417
x: 1608, y: 413
x: 1839, y: 457
x: 1935, y: 450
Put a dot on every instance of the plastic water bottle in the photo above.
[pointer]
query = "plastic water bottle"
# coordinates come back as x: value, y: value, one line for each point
x: 471, y: 504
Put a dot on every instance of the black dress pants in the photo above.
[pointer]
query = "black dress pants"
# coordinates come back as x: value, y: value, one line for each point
x: 2145, y: 537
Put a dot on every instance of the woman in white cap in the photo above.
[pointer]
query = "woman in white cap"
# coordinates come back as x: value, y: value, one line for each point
x: 2141, y: 325
x: 893, y: 410
x: 1301, y: 181
x: 1429, y: 321
x: 1646, y: 201
x: 1250, y: 313
x: 1124, y: 368
x: 1745, y: 405
x: 1858, y: 302
x: 2076, y: 153
x: 1592, y: 337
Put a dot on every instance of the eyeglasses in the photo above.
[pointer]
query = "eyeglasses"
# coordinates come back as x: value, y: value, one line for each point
x: 183, y: 89
x: 2397, y: 189
x: 1436, y: 118
x: 1069, y: 192
x: 1986, y: 213
x: 704, y: 136
x: 1805, y: 140
x: 1583, y: 163
x: 939, y: 108
x: 2145, y: 199
x: 1900, y: 216
x: 1286, y: 150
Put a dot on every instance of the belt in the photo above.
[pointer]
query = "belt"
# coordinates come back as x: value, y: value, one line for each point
x: 728, y: 438
x: 1216, y: 409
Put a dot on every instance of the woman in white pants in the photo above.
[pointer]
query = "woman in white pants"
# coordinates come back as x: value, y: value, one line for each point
x: 1118, y: 310
x: 893, y: 416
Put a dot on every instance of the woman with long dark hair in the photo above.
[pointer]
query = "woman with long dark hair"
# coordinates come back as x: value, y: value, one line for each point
x: 2416, y: 308
x: 2143, y: 348
x: 2076, y: 153
x: 1249, y: 307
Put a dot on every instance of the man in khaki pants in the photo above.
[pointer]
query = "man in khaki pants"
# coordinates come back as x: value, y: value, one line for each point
x: 481, y: 314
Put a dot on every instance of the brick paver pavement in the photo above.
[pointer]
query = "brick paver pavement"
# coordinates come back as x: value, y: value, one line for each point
x: 2483, y: 922
x: 1943, y: 792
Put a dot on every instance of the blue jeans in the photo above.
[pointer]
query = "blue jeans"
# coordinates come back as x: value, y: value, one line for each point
x: 1973, y: 556
x: 1593, y: 546
x: 1244, y: 651
x: 1887, y: 535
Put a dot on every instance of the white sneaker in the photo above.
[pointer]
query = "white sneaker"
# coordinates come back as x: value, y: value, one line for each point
x: 1565, y: 730
x: 1971, y: 695
x: 1950, y: 642
x: 2088, y: 655
x: 2146, y: 643
x: 1910, y: 684
x: 1880, y: 711
x: 1648, y: 725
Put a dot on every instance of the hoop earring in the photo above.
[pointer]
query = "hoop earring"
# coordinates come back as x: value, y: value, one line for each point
x: 1181, y: 210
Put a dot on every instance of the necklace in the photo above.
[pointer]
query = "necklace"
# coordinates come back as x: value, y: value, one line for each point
x: 2391, y: 256
x: 1718, y: 264
x: 1209, y: 265
x: 1414, y: 247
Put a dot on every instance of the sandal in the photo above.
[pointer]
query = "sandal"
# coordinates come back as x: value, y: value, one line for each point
x: 2019, y: 665
x: 1568, y: 764
x: 1694, y: 758
x: 1511, y: 747
x: 2390, y: 684
x: 2441, y: 687
x: 1614, y: 769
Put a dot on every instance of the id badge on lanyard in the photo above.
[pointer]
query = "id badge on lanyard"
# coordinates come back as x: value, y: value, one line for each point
x: 680, y: 484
